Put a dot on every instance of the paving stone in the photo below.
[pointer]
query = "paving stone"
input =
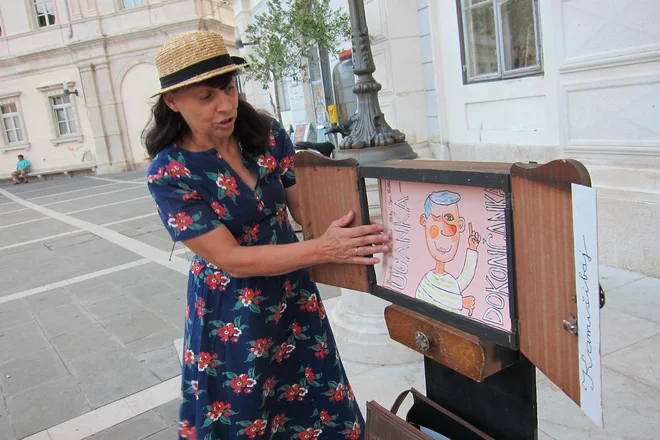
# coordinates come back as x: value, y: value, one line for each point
x: 611, y: 278
x: 639, y: 298
x: 47, y: 405
x: 13, y: 206
x: 640, y: 361
x: 21, y: 340
x: 155, y: 341
x: 171, y: 307
x: 109, y: 375
x: 50, y: 300
x: 136, y: 428
x: 136, y: 326
x: 169, y: 412
x: 108, y: 310
x: 166, y: 434
x: 94, y: 291
x: 149, y: 290
x: 68, y: 241
x: 127, y: 278
x: 127, y: 192
x: 163, y: 362
x: 115, y: 213
x: 19, y: 217
x: 29, y: 371
x: 620, y: 330
x: 14, y: 313
x: 84, y: 342
x: 6, y: 431
x: 63, y: 319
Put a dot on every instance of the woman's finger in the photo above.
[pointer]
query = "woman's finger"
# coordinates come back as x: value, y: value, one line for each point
x: 359, y: 231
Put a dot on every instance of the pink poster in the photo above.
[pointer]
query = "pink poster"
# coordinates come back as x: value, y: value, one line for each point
x: 449, y: 248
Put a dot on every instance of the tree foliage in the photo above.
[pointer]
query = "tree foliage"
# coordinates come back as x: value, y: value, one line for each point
x: 281, y: 38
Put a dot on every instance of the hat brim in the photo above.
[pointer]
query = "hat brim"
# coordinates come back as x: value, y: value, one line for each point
x: 203, y: 77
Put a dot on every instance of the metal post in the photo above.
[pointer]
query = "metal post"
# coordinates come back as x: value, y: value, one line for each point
x: 370, y: 131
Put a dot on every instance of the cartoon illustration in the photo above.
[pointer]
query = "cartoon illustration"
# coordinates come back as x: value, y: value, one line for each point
x: 443, y: 226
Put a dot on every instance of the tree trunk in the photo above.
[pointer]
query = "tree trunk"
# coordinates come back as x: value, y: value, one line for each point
x: 276, y: 104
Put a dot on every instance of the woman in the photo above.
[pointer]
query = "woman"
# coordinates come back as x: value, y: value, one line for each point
x: 260, y: 357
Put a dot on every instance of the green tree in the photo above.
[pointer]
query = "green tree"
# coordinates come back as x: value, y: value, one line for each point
x: 283, y: 36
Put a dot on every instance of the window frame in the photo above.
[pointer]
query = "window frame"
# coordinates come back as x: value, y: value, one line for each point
x: 124, y: 8
x: 57, y: 90
x: 35, y: 13
x: 5, y: 145
x: 463, y: 7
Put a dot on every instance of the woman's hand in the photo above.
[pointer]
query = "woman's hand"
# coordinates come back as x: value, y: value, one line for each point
x: 340, y: 244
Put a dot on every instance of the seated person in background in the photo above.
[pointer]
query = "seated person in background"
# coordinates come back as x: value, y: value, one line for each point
x: 22, y: 170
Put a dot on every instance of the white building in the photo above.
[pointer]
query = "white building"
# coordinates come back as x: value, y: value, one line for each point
x: 529, y: 80
x: 104, y: 50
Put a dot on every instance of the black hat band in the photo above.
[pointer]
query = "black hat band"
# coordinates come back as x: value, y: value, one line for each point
x: 197, y: 69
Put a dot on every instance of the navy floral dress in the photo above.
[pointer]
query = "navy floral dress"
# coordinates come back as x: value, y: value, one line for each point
x: 260, y: 359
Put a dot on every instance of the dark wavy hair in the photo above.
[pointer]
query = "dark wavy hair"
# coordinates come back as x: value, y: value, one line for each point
x: 165, y: 126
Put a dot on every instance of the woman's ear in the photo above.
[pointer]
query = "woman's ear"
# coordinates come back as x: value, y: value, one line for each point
x: 169, y: 100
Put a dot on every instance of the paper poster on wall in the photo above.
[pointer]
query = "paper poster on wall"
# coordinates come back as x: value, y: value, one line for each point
x: 585, y: 233
x: 449, y: 249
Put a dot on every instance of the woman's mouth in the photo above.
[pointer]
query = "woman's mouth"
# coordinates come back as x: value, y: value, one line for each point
x: 440, y: 249
x: 225, y: 123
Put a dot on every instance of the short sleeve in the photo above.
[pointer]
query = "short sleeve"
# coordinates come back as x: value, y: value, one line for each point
x: 285, y: 155
x: 181, y: 209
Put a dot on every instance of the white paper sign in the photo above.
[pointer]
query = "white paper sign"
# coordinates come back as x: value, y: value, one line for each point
x: 585, y: 231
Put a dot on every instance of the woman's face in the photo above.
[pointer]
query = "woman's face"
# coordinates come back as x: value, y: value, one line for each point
x: 209, y: 112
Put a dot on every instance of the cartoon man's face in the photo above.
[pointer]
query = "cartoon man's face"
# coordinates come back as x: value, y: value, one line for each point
x: 443, y: 228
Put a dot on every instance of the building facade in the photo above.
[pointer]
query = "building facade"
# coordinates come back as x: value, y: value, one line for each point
x: 527, y: 80
x: 77, y: 76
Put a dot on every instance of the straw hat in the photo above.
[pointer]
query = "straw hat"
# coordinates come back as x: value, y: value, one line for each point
x: 193, y: 57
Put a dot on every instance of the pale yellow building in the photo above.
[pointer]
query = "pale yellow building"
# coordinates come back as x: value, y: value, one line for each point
x: 76, y: 77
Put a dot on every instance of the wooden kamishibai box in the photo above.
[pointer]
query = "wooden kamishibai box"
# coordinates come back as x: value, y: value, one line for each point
x: 509, y: 302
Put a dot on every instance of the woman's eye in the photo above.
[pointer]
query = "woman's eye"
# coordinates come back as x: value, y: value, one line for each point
x: 206, y: 97
x: 449, y: 217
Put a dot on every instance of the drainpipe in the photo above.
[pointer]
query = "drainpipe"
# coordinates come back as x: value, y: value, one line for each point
x: 68, y: 17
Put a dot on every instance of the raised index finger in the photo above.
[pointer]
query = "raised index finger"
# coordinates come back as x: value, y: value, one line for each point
x: 470, y: 228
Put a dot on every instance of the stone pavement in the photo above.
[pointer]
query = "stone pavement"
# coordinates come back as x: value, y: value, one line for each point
x: 91, y: 320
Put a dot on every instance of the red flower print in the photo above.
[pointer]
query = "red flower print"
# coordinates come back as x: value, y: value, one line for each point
x: 196, y: 267
x: 190, y: 357
x: 271, y: 141
x: 353, y: 433
x: 337, y: 394
x: 203, y: 360
x: 199, y: 305
x: 309, y: 374
x: 288, y: 287
x: 220, y: 210
x: 152, y: 178
x: 229, y: 331
x: 309, y: 434
x: 229, y: 184
x: 186, y: 431
x: 268, y: 162
x: 321, y: 310
x: 217, y: 281
x: 284, y: 352
x: 321, y: 350
x: 248, y: 296
x: 194, y: 195
x: 296, y: 329
x: 278, y: 421
x: 176, y: 169
x: 254, y: 232
x: 349, y: 392
x: 187, y: 312
x: 278, y: 314
x: 180, y: 221
x: 269, y: 385
x: 261, y: 346
x: 195, y: 387
x: 325, y: 417
x: 287, y: 164
x: 242, y: 383
x: 296, y: 392
x: 257, y: 428
x: 218, y: 409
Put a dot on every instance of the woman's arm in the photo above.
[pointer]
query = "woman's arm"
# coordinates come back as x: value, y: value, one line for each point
x: 293, y: 202
x: 337, y: 245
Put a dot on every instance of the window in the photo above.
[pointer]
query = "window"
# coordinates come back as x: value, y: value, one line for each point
x: 500, y: 38
x: 11, y: 123
x: 62, y: 112
x: 64, y: 117
x: 45, y: 10
x: 128, y: 4
x: 283, y: 93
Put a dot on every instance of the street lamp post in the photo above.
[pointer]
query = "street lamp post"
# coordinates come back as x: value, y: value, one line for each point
x: 371, y: 139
